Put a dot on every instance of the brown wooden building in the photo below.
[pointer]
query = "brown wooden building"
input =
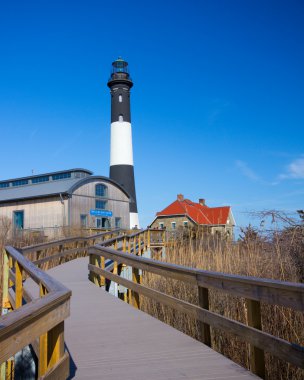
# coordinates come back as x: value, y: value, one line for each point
x: 73, y: 198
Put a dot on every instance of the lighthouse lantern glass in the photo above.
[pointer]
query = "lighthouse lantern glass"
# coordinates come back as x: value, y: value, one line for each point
x: 120, y: 66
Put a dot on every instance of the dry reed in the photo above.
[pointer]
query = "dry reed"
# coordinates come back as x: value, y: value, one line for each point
x: 253, y: 256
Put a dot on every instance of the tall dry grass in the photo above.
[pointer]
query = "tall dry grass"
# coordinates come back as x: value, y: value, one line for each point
x: 273, y: 257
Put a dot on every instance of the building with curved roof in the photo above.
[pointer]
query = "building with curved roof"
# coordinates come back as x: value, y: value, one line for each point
x: 68, y: 198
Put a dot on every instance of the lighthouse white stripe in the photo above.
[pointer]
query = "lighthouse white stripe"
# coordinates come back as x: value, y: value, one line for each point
x: 121, y: 143
x: 134, y: 221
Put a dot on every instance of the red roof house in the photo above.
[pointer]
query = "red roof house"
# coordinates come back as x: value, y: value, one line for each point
x: 183, y: 212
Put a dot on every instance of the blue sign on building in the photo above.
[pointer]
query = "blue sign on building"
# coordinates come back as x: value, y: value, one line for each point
x: 105, y: 213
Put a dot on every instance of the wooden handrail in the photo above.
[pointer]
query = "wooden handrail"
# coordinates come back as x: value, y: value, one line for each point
x: 41, y: 318
x: 255, y: 290
x: 274, y: 292
x: 40, y: 322
x: 54, y: 243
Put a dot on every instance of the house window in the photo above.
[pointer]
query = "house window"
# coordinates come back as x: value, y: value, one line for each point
x: 185, y: 223
x: 161, y: 225
x: 100, y: 190
x: 100, y: 204
x: 120, y: 98
x: 117, y: 222
x: 83, y: 220
x: 120, y: 118
x: 173, y: 225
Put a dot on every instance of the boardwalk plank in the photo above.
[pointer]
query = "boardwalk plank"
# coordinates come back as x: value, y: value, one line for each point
x: 108, y: 339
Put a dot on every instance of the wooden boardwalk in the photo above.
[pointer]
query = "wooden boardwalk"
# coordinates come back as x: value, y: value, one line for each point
x: 109, y: 339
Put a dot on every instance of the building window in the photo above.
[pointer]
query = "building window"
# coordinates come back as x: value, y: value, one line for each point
x: 161, y: 225
x: 101, y: 190
x: 20, y: 182
x: 117, y: 222
x: 120, y: 118
x: 185, y: 223
x: 102, y: 205
x: 120, y: 98
x: 55, y: 177
x: 173, y: 225
x: 19, y: 220
x: 44, y: 178
x: 83, y: 220
x: 4, y: 184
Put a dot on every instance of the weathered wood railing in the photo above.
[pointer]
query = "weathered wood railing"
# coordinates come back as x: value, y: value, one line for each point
x: 43, y: 253
x: 135, y: 243
x: 254, y: 290
x: 39, y: 322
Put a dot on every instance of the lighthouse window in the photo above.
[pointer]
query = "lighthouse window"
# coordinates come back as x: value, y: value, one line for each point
x: 120, y: 98
x: 120, y: 118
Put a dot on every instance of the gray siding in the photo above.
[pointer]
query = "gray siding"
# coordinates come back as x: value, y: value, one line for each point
x: 83, y: 200
x: 38, y: 213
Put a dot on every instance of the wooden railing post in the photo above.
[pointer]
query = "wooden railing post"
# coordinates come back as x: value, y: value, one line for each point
x: 257, y: 360
x: 102, y: 266
x: 51, y: 344
x: 10, y: 266
x: 5, y: 280
x: 135, y: 295
x: 149, y: 239
x: 43, y: 347
x: 139, y: 245
x: 55, y: 343
x: 96, y: 263
x: 5, y: 299
x: 129, y: 245
x: 124, y: 242
x: 92, y: 276
x: 204, y: 328
x: 18, y: 285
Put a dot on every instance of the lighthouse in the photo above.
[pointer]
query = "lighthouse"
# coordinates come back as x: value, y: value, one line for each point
x: 121, y: 156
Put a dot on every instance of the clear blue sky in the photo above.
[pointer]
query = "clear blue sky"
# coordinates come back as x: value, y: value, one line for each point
x: 217, y: 102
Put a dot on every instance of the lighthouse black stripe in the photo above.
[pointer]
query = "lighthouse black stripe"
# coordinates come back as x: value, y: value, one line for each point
x: 124, y: 175
x: 120, y: 109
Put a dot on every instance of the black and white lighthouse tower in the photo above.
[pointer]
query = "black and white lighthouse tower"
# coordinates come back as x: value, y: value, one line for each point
x: 121, y: 157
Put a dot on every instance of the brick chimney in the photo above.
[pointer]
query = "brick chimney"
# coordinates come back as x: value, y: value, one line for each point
x: 180, y: 197
x: 202, y: 202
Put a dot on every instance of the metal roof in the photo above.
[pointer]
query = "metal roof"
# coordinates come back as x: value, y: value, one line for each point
x: 51, y: 188
x: 49, y: 174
